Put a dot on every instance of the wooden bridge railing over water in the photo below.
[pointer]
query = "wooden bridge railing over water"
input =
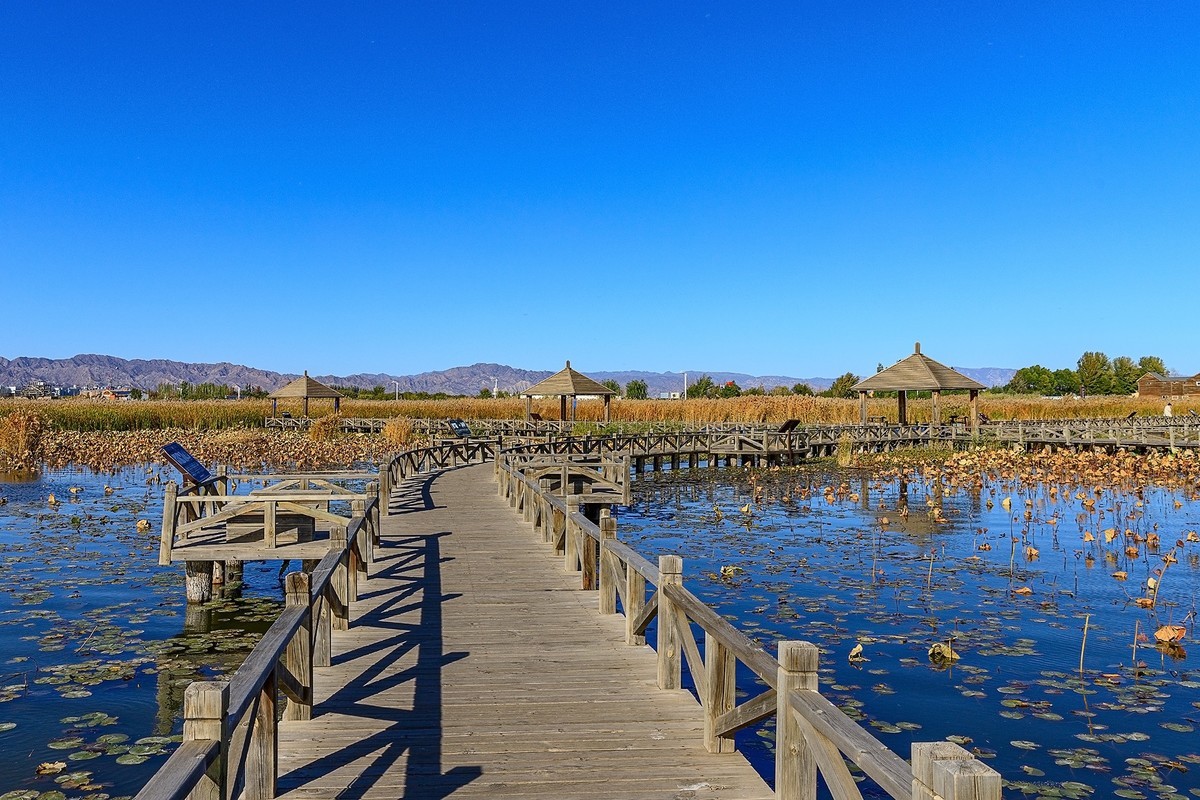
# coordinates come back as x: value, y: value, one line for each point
x: 230, y: 731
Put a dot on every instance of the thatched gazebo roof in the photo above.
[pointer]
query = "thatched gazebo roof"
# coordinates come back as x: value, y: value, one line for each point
x: 565, y: 383
x: 919, y: 373
x: 306, y: 388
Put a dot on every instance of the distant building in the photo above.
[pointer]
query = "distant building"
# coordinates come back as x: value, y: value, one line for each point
x: 1154, y: 385
x: 38, y: 389
x: 669, y: 395
x: 115, y: 394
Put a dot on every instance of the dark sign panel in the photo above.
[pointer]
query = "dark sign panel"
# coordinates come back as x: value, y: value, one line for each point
x: 186, y: 463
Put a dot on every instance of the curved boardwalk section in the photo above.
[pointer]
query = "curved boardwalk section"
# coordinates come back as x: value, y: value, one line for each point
x: 474, y: 667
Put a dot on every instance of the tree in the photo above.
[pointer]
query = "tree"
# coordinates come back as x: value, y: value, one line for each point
x: 1125, y: 375
x: 135, y: 393
x: 485, y: 393
x: 611, y: 384
x: 1066, y: 381
x: 842, y: 386
x: 636, y: 390
x: 730, y: 389
x: 1095, y: 373
x: 703, y: 387
x: 1032, y: 380
x: 802, y: 389
x: 1152, y: 364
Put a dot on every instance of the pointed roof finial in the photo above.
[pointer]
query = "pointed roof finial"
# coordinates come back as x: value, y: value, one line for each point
x: 917, y: 347
x: 568, y: 363
x: 306, y: 373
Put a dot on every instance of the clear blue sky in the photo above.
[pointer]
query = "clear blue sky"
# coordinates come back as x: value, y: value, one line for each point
x: 773, y: 188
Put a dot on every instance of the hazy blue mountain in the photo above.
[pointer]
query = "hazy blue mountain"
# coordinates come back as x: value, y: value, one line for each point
x: 101, y: 370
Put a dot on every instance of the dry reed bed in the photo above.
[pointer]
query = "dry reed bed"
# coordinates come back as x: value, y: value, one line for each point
x: 96, y: 415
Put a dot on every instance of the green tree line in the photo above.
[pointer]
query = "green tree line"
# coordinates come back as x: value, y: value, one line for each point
x: 1095, y: 373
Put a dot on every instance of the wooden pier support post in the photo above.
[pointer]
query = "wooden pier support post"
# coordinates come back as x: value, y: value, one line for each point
x: 943, y: 769
x: 298, y: 657
x: 670, y: 673
x: 795, y: 766
x: 205, y: 707
x: 198, y: 581
x: 167, y: 542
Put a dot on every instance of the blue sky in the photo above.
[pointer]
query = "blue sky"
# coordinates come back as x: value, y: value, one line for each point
x: 772, y: 188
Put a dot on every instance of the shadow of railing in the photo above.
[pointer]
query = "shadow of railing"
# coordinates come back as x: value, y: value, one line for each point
x: 396, y: 732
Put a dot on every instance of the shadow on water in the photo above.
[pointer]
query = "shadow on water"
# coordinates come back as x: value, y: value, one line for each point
x: 413, y: 654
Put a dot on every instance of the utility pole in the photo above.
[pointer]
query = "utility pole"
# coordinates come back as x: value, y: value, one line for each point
x: 397, y: 385
x: 684, y: 397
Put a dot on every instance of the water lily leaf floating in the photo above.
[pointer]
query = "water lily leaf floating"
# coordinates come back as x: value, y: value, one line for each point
x: 51, y: 767
x: 1170, y: 634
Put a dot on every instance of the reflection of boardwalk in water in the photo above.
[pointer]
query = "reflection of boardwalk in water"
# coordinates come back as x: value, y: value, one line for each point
x: 476, y: 667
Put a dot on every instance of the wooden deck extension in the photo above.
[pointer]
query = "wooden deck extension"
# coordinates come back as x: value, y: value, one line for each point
x: 475, y: 667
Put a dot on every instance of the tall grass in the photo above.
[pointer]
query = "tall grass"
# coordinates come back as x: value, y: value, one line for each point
x: 21, y: 439
x: 80, y: 414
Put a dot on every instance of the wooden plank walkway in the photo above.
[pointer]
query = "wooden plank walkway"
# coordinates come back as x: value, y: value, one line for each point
x: 475, y: 667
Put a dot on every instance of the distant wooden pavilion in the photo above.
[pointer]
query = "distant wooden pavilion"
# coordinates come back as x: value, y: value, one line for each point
x: 568, y: 383
x: 919, y: 373
x: 305, y: 387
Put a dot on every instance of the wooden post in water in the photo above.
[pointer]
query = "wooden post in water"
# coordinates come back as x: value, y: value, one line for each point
x: 198, y: 581
x: 670, y: 673
x: 205, y: 706
x: 297, y: 658
x: 795, y: 766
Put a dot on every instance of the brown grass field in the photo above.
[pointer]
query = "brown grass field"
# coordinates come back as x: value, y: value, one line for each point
x: 98, y: 415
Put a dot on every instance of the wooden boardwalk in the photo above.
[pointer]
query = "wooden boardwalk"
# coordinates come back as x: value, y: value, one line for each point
x: 475, y: 667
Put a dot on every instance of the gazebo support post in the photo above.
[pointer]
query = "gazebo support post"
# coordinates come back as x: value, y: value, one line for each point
x: 607, y: 408
x: 562, y: 408
x: 862, y: 408
x: 274, y: 407
x: 975, y: 412
x: 937, y: 407
x: 902, y: 402
x: 306, y: 406
x: 528, y: 408
x: 337, y: 405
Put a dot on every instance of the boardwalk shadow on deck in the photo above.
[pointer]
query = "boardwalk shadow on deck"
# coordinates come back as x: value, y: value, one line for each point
x: 415, y: 732
x: 413, y: 496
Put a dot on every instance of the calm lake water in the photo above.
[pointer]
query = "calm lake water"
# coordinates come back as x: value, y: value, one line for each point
x: 845, y: 567
x: 96, y: 643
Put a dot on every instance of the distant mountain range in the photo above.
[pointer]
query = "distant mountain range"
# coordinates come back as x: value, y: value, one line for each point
x: 98, y: 370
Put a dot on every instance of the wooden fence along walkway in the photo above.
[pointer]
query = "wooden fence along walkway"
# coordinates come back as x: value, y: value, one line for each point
x: 451, y: 650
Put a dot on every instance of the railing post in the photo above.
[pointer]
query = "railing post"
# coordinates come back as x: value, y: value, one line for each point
x: 170, y: 491
x: 298, y: 657
x: 339, y: 581
x: 570, y: 540
x: 589, y: 561
x: 795, y: 767
x: 635, y: 601
x: 945, y: 770
x: 720, y: 668
x: 545, y: 528
x: 358, y: 508
x: 205, y: 707
x: 670, y: 570
x: 608, y: 565
x: 262, y: 749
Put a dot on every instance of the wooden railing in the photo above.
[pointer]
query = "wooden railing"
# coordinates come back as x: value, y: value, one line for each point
x: 230, y: 727
x: 812, y: 735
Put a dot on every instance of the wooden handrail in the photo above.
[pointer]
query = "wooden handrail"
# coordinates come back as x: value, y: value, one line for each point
x: 820, y: 739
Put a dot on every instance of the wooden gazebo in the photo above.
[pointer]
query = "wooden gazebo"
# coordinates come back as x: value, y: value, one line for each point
x: 305, y: 387
x: 568, y: 383
x: 919, y: 373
